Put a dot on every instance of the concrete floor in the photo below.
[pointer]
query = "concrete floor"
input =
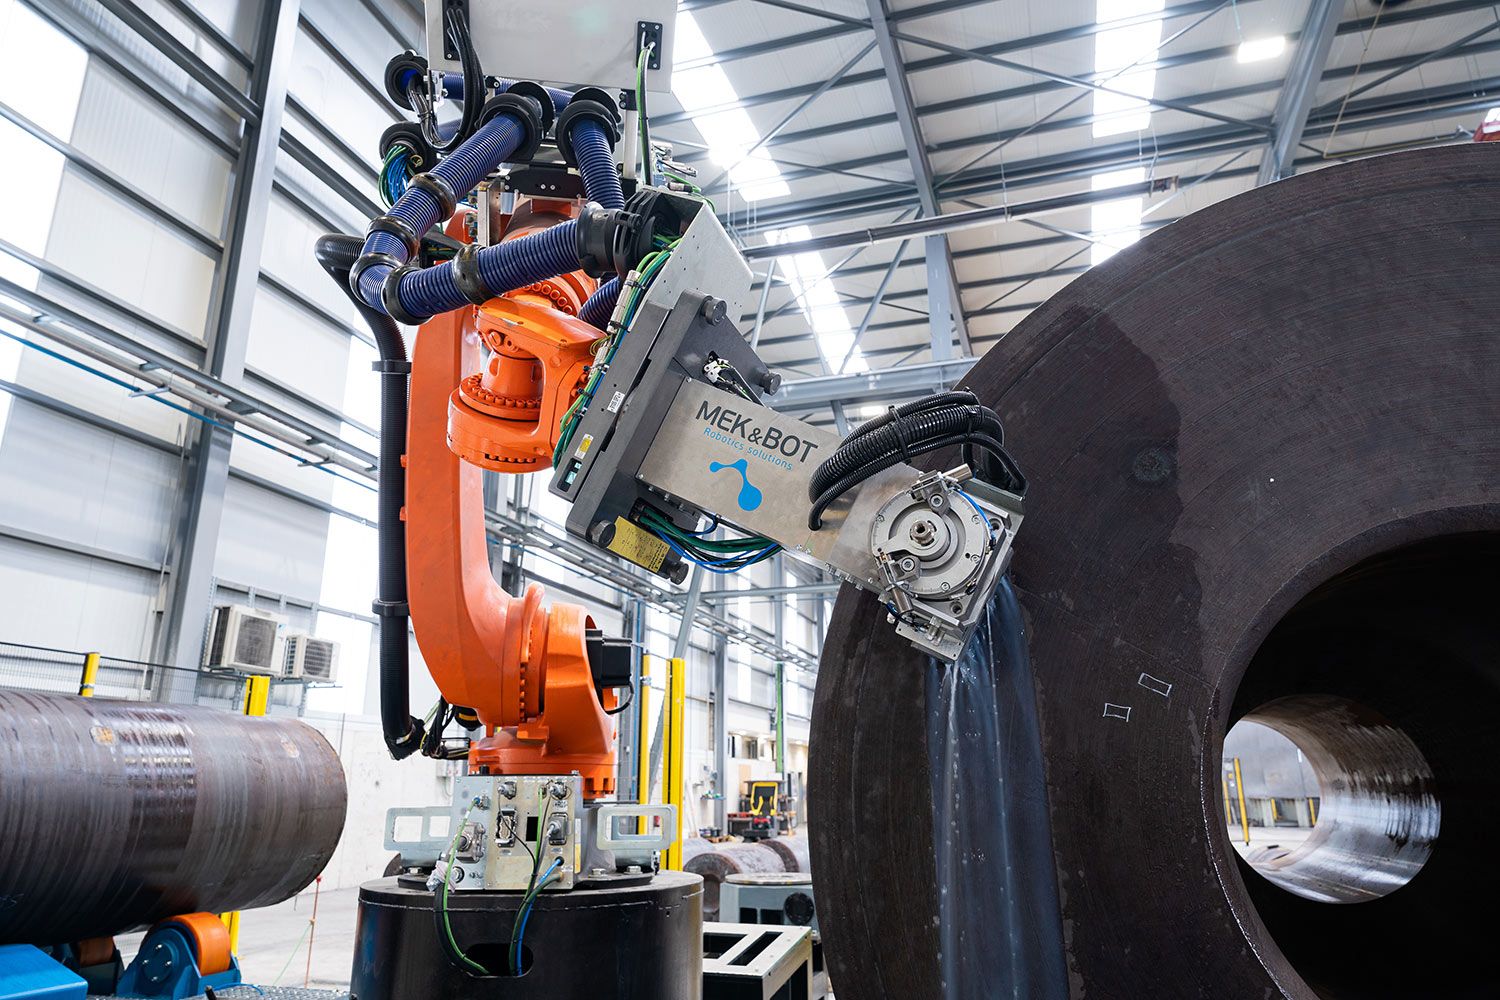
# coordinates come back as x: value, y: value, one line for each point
x: 1261, y: 838
x: 274, y: 941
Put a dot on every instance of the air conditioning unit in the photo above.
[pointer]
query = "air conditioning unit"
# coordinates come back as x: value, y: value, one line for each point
x: 245, y: 640
x: 311, y: 658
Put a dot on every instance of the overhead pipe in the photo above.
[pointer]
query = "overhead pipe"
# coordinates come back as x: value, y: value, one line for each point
x: 176, y: 385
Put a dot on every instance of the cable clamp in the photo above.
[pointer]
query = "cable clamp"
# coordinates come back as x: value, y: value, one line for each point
x: 390, y: 296
x: 397, y: 227
x: 392, y: 366
x: 390, y: 609
x: 440, y: 190
x: 466, y: 275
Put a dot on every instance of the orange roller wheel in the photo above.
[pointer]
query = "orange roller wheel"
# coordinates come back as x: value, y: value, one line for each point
x: 210, y: 940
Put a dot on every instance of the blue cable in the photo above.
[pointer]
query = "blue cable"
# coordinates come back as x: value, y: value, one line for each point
x: 983, y: 518
x: 525, y: 916
x: 713, y: 566
x: 202, y: 417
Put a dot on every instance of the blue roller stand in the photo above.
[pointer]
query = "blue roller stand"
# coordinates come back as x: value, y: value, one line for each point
x: 166, y: 968
x: 28, y: 973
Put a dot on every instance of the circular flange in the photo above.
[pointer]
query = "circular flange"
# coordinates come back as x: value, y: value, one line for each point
x: 1241, y: 407
x: 938, y: 544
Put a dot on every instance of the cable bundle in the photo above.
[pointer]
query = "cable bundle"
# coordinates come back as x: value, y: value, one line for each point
x: 717, y: 555
x: 902, y: 433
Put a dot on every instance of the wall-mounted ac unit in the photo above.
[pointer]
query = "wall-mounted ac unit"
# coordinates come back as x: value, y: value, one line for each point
x: 245, y: 640
x: 311, y: 658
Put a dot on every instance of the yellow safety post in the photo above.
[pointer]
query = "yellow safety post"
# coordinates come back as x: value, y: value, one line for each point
x: 1274, y: 815
x: 257, y: 698
x: 643, y: 741
x: 1239, y: 786
x: 1312, y: 811
x: 90, y: 675
x: 1228, y: 812
x: 672, y: 789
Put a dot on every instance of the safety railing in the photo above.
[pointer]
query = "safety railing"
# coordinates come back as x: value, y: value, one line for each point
x: 65, y: 671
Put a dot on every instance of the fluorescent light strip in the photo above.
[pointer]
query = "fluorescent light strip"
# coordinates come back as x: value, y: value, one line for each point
x: 1115, y: 49
x: 1115, y: 224
x: 1260, y: 49
x: 705, y: 93
x: 807, y: 274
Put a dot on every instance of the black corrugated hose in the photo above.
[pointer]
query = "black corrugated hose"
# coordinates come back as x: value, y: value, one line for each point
x: 903, y: 432
x: 336, y: 253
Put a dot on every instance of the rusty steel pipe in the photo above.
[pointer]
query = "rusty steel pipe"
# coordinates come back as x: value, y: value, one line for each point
x: 114, y: 814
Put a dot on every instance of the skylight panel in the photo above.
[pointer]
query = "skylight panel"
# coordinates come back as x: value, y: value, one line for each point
x: 808, y: 276
x: 1115, y: 224
x: 705, y: 93
x: 1126, y: 108
x: 1260, y: 49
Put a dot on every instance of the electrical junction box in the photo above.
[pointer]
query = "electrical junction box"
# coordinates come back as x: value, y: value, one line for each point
x: 581, y: 42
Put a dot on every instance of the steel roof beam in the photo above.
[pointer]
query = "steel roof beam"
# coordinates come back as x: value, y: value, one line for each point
x: 1376, y: 113
x: 900, y: 16
x: 945, y: 318
x: 1302, y: 78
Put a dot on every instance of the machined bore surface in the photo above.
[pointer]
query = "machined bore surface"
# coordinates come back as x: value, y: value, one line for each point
x: 1264, y: 454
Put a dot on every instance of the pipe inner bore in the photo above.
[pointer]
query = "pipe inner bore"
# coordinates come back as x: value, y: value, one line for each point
x: 1387, y: 678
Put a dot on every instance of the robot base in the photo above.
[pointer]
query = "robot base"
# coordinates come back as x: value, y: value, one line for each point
x: 641, y: 942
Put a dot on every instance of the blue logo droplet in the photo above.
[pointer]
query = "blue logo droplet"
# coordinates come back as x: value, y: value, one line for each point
x: 750, y: 496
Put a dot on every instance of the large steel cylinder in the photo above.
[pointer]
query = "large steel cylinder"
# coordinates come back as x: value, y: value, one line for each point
x: 1264, y: 453
x: 117, y: 814
x: 730, y: 859
x: 640, y: 942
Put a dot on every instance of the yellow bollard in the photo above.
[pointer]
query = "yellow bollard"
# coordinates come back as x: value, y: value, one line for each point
x: 90, y: 675
x: 1239, y: 786
x: 257, y: 698
x: 672, y: 790
x: 1312, y: 811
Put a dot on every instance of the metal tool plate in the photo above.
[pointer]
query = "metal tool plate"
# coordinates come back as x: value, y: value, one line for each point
x: 751, y: 465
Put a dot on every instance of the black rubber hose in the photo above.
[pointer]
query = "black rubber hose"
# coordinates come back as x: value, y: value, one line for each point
x: 336, y: 254
x: 902, y: 433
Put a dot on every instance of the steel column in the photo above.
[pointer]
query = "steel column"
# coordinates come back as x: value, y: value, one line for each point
x: 721, y: 734
x: 945, y: 317
x: 202, y: 507
x: 1290, y: 117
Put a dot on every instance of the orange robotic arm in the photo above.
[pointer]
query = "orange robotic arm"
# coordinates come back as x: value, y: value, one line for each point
x: 523, y: 667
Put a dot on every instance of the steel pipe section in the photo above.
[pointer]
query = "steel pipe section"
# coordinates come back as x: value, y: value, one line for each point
x: 114, y: 815
x: 1265, y: 473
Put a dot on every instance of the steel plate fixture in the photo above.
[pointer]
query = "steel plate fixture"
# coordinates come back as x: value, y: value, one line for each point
x: 116, y: 814
x: 1264, y: 449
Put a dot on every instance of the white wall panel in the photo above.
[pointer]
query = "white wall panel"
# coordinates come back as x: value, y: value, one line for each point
x: 332, y: 95
x: 298, y: 351
x: 269, y: 541
x: 66, y: 480
x: 88, y: 392
x: 250, y: 457
x: 54, y: 598
x: 151, y: 150
x: 128, y: 254
x: 288, y: 254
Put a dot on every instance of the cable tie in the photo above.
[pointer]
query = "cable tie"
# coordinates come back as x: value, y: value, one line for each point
x: 900, y: 434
